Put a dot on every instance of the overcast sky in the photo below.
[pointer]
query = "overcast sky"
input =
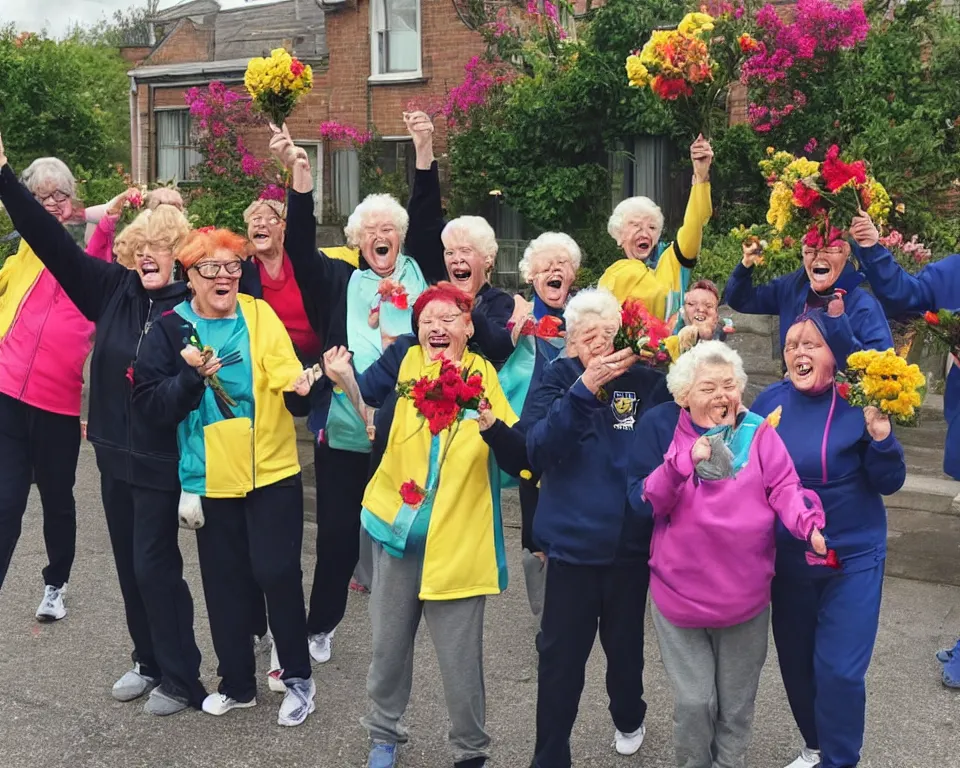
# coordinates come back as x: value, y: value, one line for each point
x: 56, y: 16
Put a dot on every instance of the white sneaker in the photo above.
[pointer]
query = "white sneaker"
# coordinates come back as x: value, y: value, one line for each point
x: 298, y: 703
x: 51, y: 607
x: 809, y: 758
x: 133, y: 685
x: 274, y: 676
x: 629, y: 743
x: 219, y: 704
x: 321, y: 646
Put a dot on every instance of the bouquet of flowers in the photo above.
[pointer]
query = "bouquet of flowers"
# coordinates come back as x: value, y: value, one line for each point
x: 393, y: 292
x: 642, y: 332
x: 196, y: 355
x: 693, y: 65
x: 130, y: 208
x: 547, y: 327
x: 884, y: 380
x: 807, y: 197
x: 277, y: 83
x: 943, y: 328
x: 442, y: 403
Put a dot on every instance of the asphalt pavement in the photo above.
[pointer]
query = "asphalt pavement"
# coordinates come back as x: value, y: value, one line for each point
x: 56, y: 709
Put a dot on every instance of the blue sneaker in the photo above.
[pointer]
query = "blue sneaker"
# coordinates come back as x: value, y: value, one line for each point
x: 382, y: 755
x: 951, y: 672
x: 946, y: 654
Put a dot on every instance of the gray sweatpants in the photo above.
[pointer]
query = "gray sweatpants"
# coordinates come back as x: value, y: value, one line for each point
x: 363, y: 573
x: 456, y: 628
x: 714, y: 674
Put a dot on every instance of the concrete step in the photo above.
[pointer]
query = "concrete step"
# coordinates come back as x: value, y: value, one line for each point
x: 923, y: 546
x: 927, y: 494
x: 926, y: 435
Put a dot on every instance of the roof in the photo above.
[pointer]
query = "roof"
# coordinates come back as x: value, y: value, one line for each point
x: 187, y: 8
x: 193, y: 68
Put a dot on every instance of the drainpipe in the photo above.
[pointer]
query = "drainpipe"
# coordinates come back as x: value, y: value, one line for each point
x: 134, y: 132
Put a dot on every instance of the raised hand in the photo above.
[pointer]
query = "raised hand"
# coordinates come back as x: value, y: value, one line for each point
x: 607, y: 368
x: 701, y: 450
x: 878, y: 423
x: 486, y: 419
x: 336, y: 363
x: 864, y: 231
x: 701, y: 153
x: 752, y: 252
x: 688, y: 336
x: 818, y: 543
x: 3, y: 157
x: 836, y: 307
x: 420, y: 127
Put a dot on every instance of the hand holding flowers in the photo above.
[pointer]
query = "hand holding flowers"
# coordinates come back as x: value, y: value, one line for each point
x: 607, y: 368
x: 277, y: 83
x: 642, y: 333
x: 884, y: 381
x: 878, y: 424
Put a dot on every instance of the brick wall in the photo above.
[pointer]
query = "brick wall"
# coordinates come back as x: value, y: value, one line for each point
x: 186, y: 42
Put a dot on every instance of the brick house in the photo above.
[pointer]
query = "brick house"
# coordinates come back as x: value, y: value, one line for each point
x: 371, y: 59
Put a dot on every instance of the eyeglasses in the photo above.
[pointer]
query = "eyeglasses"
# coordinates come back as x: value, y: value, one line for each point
x: 208, y: 270
x: 58, y: 196
x: 708, y: 306
x: 259, y: 221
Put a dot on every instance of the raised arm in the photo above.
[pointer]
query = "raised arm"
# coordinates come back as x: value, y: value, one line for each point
x: 743, y: 296
x: 798, y: 508
x: 380, y: 378
x: 88, y: 281
x: 423, y: 243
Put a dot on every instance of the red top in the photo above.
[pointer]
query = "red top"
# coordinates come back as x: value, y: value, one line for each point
x: 283, y: 294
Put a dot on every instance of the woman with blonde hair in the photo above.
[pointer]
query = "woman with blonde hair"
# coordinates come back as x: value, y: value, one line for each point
x: 215, y: 376
x: 138, y: 463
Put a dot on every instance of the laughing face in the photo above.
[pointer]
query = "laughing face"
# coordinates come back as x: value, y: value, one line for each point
x: 265, y: 230
x: 154, y: 264
x: 824, y: 265
x: 444, y: 330
x: 714, y: 397
x: 380, y: 243
x: 467, y: 268
x: 553, y: 274
x: 700, y: 310
x: 215, y: 280
x: 810, y: 363
x: 639, y: 236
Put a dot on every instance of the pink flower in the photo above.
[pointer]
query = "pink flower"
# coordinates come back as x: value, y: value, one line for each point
x: 810, y: 146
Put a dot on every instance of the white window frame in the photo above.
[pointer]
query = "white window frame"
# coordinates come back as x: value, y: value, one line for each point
x: 317, y: 176
x: 156, y: 149
x: 376, y: 65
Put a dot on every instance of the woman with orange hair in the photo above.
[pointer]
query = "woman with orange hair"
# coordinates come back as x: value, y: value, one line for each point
x: 219, y: 370
x: 138, y: 463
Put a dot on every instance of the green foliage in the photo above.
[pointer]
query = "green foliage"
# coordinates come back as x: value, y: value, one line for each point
x: 93, y: 189
x: 220, y: 204
x: 373, y: 177
x: 67, y: 99
x: 721, y: 253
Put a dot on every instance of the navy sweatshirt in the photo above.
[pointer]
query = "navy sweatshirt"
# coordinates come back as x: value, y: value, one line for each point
x: 789, y: 296
x: 580, y: 447
x: 933, y: 288
x: 129, y: 446
x: 654, y: 434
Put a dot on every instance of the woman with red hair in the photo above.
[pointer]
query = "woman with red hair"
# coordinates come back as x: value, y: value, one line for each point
x: 440, y: 555
x: 219, y: 369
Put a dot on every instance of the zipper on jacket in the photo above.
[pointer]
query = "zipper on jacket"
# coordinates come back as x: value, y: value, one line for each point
x: 136, y: 355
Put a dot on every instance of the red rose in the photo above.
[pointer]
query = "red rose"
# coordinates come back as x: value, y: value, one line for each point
x: 670, y: 88
x: 832, y: 561
x: 400, y: 300
x: 932, y: 318
x: 805, y: 197
x: 548, y: 327
x: 296, y: 67
x: 412, y: 494
x: 843, y: 389
x: 835, y: 173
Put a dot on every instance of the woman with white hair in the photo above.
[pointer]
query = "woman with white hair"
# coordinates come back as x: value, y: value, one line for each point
x: 462, y: 251
x: 579, y: 435
x: 44, y: 341
x: 364, y: 310
x: 550, y: 265
x: 715, y: 496
x: 657, y: 278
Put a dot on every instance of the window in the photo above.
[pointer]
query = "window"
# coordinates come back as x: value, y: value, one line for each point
x: 651, y: 170
x: 346, y: 181
x: 398, y: 158
x: 176, y: 151
x: 395, y: 39
x: 315, y: 156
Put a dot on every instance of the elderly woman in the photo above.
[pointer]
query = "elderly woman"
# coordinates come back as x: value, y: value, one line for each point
x: 710, y: 570
x: 420, y: 569
x: 138, y: 463
x: 579, y: 435
x: 44, y: 341
x: 700, y: 317
x: 825, y: 618
x: 462, y: 251
x: 826, y: 272
x: 354, y: 308
x: 659, y: 278
x: 218, y: 370
x: 104, y: 218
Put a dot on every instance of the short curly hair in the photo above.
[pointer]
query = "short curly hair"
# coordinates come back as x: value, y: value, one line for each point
x: 373, y: 204
x: 548, y: 241
x: 633, y: 206
x: 684, y: 370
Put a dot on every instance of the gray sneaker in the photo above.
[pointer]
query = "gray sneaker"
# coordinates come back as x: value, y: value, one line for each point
x: 298, y: 703
x: 133, y: 685
x: 161, y: 703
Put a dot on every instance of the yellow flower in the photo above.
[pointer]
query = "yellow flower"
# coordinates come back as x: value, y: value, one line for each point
x: 781, y: 206
x: 901, y: 208
x: 637, y: 74
x: 801, y: 168
x: 880, y: 203
x: 774, y: 418
x: 526, y: 474
x: 770, y: 151
x: 776, y: 245
x: 696, y: 23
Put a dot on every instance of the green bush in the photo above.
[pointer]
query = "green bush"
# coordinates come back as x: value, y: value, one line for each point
x: 722, y: 252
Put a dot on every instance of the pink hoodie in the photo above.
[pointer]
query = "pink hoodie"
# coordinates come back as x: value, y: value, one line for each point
x: 712, y: 554
x: 43, y: 352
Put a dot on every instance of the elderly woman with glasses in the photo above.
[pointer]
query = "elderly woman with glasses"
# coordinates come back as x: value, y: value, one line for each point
x: 139, y: 483
x: 439, y: 556
x: 717, y: 496
x: 659, y: 278
x: 365, y: 310
x: 826, y: 272
x: 44, y: 341
x: 219, y: 370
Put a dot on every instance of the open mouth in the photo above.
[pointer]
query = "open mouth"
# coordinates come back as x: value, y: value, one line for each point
x: 643, y: 245
x: 803, y: 369
x: 463, y: 273
x: 821, y: 270
x: 699, y: 317
x: 556, y: 284
x: 261, y: 236
x: 439, y: 342
x: 149, y: 268
x: 220, y: 291
x: 723, y: 410
x: 382, y: 250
